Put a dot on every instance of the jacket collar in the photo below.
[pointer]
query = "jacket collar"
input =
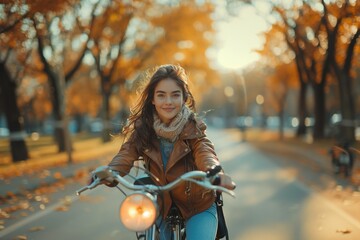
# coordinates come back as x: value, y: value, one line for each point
x: 193, y: 129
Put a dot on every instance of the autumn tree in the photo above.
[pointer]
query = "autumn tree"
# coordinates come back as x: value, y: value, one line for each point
x: 15, y: 41
x: 34, y: 101
x: 108, y: 39
x: 8, y: 97
x: 255, y: 84
x: 279, y: 84
x: 185, y: 34
x: 300, y: 26
x: 62, y: 38
x: 314, y: 36
x: 84, y: 97
x: 312, y: 32
x: 341, y: 25
x: 131, y: 38
x: 280, y: 46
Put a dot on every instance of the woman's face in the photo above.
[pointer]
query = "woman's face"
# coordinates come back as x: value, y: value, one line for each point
x: 168, y: 99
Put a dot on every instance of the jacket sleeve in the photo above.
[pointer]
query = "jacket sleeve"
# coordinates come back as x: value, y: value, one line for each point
x: 124, y: 159
x: 203, y: 149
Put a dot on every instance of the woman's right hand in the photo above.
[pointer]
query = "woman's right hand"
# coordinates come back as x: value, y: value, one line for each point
x: 93, y: 177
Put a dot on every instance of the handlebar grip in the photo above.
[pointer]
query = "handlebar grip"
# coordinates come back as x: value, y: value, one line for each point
x: 213, y: 171
x: 78, y: 192
x: 93, y: 184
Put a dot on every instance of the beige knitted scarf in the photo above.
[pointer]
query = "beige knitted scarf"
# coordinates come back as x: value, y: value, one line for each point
x: 172, y: 131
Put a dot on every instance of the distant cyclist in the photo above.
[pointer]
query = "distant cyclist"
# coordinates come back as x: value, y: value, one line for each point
x: 342, y: 158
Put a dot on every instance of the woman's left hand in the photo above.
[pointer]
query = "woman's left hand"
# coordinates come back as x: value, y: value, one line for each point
x: 226, y: 182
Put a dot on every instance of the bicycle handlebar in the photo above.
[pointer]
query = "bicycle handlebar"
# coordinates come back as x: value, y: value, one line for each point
x: 104, y: 173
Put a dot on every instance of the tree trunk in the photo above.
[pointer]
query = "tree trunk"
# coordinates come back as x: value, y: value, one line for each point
x: 79, y: 119
x: 347, y: 128
x: 105, y: 112
x: 319, y: 113
x: 105, y: 108
x: 301, y: 131
x: 57, y: 93
x: 59, y: 133
x: 18, y: 147
x: 346, y: 94
x: 281, y: 123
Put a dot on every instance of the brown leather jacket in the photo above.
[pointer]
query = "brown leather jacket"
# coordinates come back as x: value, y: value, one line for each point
x: 192, y: 151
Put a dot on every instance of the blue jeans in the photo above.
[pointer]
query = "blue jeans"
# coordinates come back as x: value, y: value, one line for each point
x: 202, y: 226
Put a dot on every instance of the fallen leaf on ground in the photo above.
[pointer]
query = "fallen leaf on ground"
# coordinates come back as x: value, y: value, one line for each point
x: 67, y: 201
x: 10, y: 194
x: 58, y: 175
x: 35, y: 229
x: 21, y: 237
x: 81, y: 174
x: 62, y: 209
x: 24, y: 214
x: 343, y: 231
x: 4, y: 214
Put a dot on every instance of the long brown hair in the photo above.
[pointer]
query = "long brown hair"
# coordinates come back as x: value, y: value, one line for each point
x: 141, y: 119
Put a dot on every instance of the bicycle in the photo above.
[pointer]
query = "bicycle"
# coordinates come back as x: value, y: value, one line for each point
x: 139, y: 210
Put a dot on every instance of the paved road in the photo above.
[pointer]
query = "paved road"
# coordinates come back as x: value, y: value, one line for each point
x: 270, y: 204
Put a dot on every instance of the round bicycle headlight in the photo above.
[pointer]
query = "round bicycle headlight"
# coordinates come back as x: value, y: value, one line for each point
x: 138, y: 211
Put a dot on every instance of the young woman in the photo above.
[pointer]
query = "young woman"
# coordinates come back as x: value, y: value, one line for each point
x: 164, y: 131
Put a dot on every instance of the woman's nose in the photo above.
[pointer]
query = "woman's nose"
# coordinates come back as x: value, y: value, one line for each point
x: 168, y: 100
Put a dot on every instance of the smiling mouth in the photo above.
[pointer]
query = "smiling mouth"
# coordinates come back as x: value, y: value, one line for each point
x: 168, y: 109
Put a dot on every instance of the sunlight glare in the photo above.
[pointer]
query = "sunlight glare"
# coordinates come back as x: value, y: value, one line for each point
x: 238, y: 38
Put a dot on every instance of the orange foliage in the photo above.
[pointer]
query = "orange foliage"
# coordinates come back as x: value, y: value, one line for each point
x: 131, y: 39
x: 84, y: 97
x: 182, y: 35
x: 283, y: 78
x: 125, y: 39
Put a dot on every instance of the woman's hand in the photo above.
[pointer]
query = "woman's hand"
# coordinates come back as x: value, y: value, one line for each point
x: 106, y: 181
x: 226, y: 182
x: 220, y: 178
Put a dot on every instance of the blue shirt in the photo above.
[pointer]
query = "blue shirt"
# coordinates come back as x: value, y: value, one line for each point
x: 166, y: 148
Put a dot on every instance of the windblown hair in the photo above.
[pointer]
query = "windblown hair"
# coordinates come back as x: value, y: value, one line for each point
x: 140, y: 122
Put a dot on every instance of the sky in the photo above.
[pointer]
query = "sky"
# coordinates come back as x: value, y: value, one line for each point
x: 237, y: 38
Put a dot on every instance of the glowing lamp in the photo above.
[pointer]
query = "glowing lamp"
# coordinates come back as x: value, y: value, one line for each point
x: 138, y: 211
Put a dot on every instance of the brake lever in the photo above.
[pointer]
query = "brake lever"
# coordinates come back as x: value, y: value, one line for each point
x: 222, y: 189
